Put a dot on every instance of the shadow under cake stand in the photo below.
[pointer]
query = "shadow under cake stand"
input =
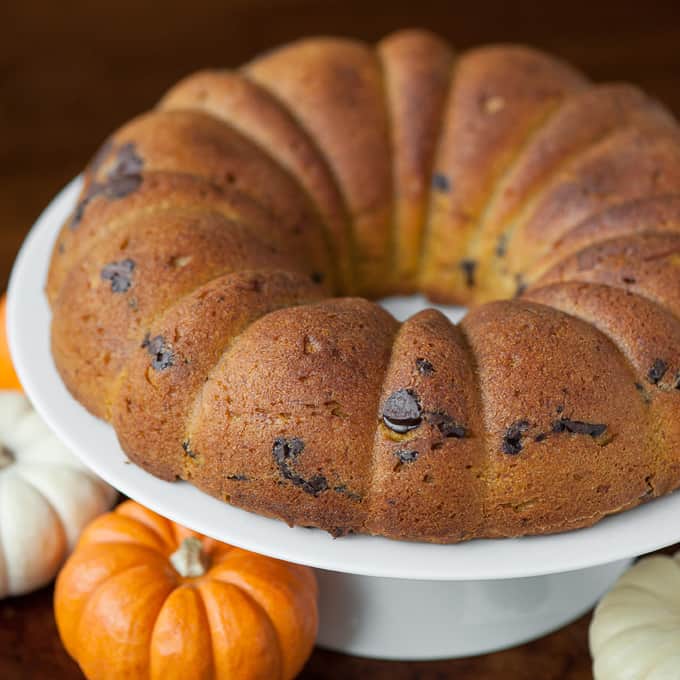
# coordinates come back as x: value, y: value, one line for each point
x: 379, y: 598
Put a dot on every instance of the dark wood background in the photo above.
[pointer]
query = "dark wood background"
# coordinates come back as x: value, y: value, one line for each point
x: 71, y: 71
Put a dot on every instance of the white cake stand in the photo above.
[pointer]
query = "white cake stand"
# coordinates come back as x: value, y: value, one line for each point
x: 379, y: 598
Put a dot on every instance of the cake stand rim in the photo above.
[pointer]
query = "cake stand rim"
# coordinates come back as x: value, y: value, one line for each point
x: 641, y: 530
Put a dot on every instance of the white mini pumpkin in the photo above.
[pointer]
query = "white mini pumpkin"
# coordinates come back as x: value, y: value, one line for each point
x: 46, y: 498
x: 635, y: 631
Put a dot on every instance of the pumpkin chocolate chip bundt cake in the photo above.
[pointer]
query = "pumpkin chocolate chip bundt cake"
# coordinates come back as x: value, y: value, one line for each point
x: 210, y: 290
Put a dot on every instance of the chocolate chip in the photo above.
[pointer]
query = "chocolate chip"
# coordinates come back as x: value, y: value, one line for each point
x: 287, y: 449
x: 94, y: 190
x: 406, y: 456
x: 424, y: 366
x: 124, y: 179
x: 447, y: 425
x: 128, y: 162
x: 314, y: 486
x: 579, y: 427
x: 630, y: 280
x: 78, y: 213
x: 542, y: 436
x: 676, y: 384
x: 502, y: 245
x: 512, y: 440
x: 441, y: 182
x: 120, y: 275
x: 237, y: 478
x: 559, y: 409
x: 160, y: 351
x: 469, y: 267
x: 186, y: 445
x: 339, y: 532
x: 657, y: 371
x: 317, y: 277
x: 285, y: 453
x: 121, y: 186
x: 342, y: 488
x: 401, y: 411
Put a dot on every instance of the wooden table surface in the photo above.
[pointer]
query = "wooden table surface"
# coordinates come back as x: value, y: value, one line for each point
x: 71, y: 71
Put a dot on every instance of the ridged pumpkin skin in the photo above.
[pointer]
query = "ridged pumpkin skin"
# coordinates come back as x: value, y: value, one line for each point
x: 8, y: 376
x: 124, y: 611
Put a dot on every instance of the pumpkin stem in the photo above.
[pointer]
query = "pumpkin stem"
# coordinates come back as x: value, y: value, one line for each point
x: 189, y: 559
x: 6, y: 457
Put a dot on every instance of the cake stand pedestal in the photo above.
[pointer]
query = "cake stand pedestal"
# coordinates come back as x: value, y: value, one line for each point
x: 379, y: 598
x: 407, y: 619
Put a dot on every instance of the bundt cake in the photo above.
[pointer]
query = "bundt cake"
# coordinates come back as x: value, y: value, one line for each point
x: 210, y: 291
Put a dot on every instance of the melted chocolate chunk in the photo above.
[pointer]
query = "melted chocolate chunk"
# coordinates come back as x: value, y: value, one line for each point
x: 161, y: 353
x: 122, y: 185
x: 447, y: 425
x: 579, y: 427
x: 314, y: 486
x: 186, y: 445
x: 342, y: 488
x: 643, y: 392
x: 94, y: 190
x: 78, y: 213
x: 469, y: 268
x: 512, y: 440
x: 502, y: 246
x: 128, y: 162
x: 285, y: 453
x: 120, y: 275
x: 424, y: 366
x: 287, y: 449
x: 122, y: 180
x: 657, y: 371
x: 406, y: 456
x: 520, y: 285
x: 441, y: 182
x: 339, y: 532
x: 401, y: 411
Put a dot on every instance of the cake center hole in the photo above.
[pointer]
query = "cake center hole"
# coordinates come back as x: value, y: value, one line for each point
x: 403, y: 307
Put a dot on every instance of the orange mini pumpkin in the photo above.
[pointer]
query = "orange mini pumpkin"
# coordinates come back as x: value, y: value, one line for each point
x: 142, y: 597
x: 8, y: 377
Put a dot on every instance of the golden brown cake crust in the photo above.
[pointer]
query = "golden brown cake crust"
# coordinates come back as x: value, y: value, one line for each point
x: 303, y: 437
x: 659, y: 214
x: 417, y: 69
x: 98, y: 217
x: 499, y: 97
x: 336, y: 90
x: 557, y: 396
x: 250, y: 109
x: 153, y: 404
x: 583, y: 121
x: 425, y: 482
x: 197, y: 290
